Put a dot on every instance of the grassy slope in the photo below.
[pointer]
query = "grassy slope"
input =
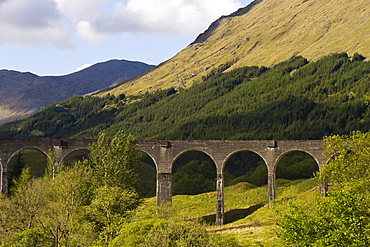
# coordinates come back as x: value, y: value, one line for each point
x: 271, y: 32
x: 253, y: 227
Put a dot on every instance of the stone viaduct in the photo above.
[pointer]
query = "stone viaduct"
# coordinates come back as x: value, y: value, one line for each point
x: 165, y: 153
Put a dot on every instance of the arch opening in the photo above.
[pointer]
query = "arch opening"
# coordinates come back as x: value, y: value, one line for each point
x: 148, y: 174
x: 75, y: 156
x: 245, y: 176
x: 33, y: 159
x: 296, y: 165
x: 194, y: 172
x: 245, y: 167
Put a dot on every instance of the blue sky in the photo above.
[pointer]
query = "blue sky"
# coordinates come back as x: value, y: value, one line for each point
x: 56, y: 37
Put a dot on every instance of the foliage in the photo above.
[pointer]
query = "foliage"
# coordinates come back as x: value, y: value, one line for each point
x: 23, y: 210
x: 109, y: 210
x: 22, y: 180
x: 135, y: 233
x: 74, y: 208
x: 15, y: 167
x: 186, y: 233
x: 295, y: 99
x: 115, y: 163
x: 169, y: 231
x: 343, y: 218
x: 70, y: 191
x: 350, y: 158
x: 194, y: 178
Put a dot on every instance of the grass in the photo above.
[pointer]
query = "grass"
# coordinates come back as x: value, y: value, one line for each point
x: 248, y: 217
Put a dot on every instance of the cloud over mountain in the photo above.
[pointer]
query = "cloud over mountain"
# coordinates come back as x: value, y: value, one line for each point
x: 57, y: 22
x: 32, y: 22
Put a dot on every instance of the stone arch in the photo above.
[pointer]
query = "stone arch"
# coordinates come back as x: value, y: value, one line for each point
x: 70, y: 152
x: 148, y: 183
x: 176, y: 157
x: 195, y: 159
x: 239, y: 151
x: 34, y: 158
x: 295, y: 150
x: 151, y: 157
x: 64, y: 155
x: 14, y: 152
x: 295, y: 173
x: 242, y: 150
x: 247, y: 208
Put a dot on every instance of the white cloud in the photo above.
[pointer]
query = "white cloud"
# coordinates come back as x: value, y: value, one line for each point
x: 29, y: 13
x: 88, y: 33
x: 85, y: 66
x: 78, y: 10
x: 34, y: 22
x: 184, y: 17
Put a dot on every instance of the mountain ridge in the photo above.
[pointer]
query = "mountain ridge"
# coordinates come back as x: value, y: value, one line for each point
x: 263, y: 33
x: 293, y: 100
x: 24, y: 93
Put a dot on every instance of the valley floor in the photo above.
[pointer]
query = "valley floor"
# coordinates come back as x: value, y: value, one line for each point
x: 248, y: 216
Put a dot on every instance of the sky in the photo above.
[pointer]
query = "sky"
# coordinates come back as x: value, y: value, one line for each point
x: 58, y: 37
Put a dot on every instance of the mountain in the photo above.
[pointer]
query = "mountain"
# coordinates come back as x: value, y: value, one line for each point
x: 264, y: 33
x: 23, y: 94
x: 295, y: 99
x: 244, y: 78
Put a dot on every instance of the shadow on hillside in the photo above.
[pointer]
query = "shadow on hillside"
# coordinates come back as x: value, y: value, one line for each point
x: 233, y: 215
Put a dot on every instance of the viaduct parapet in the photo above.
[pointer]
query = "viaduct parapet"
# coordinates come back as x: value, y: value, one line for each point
x: 165, y: 153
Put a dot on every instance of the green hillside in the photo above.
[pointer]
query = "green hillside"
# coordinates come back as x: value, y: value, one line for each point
x: 295, y: 99
x: 264, y: 33
x: 272, y: 70
x: 248, y: 217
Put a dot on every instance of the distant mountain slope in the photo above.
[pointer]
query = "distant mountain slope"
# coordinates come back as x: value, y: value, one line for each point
x: 23, y: 94
x: 264, y: 33
x: 295, y: 99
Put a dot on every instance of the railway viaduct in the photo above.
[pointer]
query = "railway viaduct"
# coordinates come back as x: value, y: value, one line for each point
x: 165, y: 153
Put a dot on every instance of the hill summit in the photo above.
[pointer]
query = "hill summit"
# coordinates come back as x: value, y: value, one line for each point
x: 263, y: 33
x: 23, y: 94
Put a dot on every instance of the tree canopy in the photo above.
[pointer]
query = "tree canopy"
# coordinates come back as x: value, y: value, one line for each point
x: 295, y: 99
x: 342, y: 218
x: 86, y: 204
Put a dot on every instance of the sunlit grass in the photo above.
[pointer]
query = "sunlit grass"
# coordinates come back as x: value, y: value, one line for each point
x: 258, y: 228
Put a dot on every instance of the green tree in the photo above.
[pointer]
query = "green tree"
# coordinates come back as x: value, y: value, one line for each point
x: 110, y: 209
x: 194, y: 178
x: 42, y: 211
x: 79, y: 206
x: 23, y: 210
x: 15, y: 168
x: 70, y: 192
x: 18, y: 183
x: 342, y: 218
x: 350, y: 158
x: 115, y: 163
